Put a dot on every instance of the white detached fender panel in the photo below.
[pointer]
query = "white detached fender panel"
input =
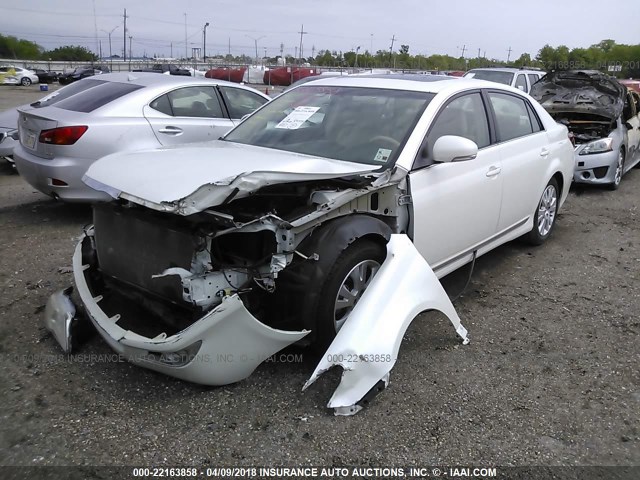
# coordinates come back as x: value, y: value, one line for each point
x: 367, y: 345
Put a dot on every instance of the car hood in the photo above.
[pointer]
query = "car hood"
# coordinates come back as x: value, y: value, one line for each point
x: 580, y: 91
x: 187, y: 179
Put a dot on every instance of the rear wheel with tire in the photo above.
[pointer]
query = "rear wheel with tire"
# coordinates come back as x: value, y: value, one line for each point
x: 619, y: 172
x: 346, y: 282
x: 544, y: 218
x: 25, y: 82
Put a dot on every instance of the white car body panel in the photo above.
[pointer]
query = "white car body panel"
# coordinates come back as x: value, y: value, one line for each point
x: 367, y: 345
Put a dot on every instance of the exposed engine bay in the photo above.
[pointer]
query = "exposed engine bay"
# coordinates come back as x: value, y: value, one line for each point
x: 585, y: 127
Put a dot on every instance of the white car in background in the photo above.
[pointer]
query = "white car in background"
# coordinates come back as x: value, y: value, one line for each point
x: 327, y: 216
x: 520, y: 78
x: 122, y: 112
x: 10, y: 75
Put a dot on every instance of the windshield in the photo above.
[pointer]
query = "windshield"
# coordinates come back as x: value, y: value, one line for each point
x: 362, y: 125
x: 491, y: 76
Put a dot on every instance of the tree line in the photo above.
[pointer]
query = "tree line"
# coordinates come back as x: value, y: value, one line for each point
x: 621, y: 60
x: 20, y: 49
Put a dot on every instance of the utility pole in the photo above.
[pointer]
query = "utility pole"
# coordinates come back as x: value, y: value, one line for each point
x: 509, y: 56
x: 100, y: 50
x: 478, y: 53
x: 301, y: 32
x: 204, y: 42
x: 124, y: 37
x: 355, y: 63
x: 464, y: 49
x: 229, y: 46
x: 371, y: 46
x: 110, y: 54
x: 171, y: 46
x: 282, y: 53
x: 130, y: 42
x: 393, y: 39
x: 185, y: 36
x: 255, y: 41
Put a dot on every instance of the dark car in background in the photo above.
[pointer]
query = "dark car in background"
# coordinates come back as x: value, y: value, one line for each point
x: 45, y: 76
x: 82, y: 72
x: 167, y: 69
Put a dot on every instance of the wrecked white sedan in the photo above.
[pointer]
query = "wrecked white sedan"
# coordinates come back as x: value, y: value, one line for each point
x: 326, y: 217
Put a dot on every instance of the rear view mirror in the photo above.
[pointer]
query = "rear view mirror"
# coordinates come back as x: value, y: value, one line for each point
x: 451, y: 148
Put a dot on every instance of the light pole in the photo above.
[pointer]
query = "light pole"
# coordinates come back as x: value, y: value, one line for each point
x: 204, y: 42
x: 109, y: 33
x: 255, y: 40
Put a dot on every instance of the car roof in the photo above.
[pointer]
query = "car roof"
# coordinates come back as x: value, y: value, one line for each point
x: 145, y: 79
x: 414, y: 82
x: 507, y: 69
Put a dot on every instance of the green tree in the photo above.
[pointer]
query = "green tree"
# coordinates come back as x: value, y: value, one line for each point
x: 71, y: 53
x: 12, y: 47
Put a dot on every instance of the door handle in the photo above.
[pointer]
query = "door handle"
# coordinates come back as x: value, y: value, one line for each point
x: 544, y: 152
x: 169, y: 130
x: 493, y: 171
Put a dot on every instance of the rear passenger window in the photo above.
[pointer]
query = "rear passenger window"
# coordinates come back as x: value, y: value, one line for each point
x: 195, y: 102
x: 521, y: 82
x: 512, y: 117
x: 535, y: 120
x: 162, y: 104
x: 533, y: 78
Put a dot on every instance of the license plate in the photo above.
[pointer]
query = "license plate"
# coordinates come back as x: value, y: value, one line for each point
x: 28, y: 139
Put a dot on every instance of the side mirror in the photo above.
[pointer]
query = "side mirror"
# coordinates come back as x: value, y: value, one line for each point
x: 451, y: 148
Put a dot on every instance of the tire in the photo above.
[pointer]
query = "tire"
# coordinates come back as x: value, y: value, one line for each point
x: 25, y: 81
x: 544, y: 217
x: 365, y: 257
x: 619, y: 172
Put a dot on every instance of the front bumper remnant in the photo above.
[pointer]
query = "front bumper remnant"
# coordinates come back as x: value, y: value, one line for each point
x: 224, y: 346
x: 367, y: 346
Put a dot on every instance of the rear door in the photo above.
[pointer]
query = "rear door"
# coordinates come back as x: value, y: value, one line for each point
x: 188, y: 114
x: 524, y: 149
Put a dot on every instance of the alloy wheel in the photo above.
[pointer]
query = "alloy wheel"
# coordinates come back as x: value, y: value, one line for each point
x: 351, y: 289
x: 547, y: 210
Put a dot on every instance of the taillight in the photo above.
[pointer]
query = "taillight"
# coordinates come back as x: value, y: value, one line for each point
x: 62, y: 135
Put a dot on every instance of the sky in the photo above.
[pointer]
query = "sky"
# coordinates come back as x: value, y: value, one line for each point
x: 491, y: 27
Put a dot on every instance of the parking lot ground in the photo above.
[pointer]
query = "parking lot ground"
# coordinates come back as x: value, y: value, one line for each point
x: 550, y: 377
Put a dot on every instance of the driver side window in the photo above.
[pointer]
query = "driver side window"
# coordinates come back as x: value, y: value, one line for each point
x: 464, y: 116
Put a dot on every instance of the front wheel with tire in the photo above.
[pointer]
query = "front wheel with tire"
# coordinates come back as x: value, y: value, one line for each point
x: 346, y: 282
x: 545, y: 215
x: 25, y: 82
x: 619, y: 172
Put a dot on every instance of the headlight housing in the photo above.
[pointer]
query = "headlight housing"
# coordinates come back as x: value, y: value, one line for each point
x: 598, y: 146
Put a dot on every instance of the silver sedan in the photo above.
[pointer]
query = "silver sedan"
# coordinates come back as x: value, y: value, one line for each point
x: 122, y: 112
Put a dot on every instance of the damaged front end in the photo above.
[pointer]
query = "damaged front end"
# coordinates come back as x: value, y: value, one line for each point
x: 208, y: 295
x: 590, y: 105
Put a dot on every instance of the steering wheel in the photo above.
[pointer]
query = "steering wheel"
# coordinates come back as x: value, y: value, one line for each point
x: 384, y: 138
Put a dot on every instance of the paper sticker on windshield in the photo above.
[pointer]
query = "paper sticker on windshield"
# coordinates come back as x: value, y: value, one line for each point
x: 296, y: 118
x: 382, y: 155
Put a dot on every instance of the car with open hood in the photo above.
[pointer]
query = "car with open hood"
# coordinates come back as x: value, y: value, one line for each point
x: 325, y: 217
x: 603, y: 118
x: 118, y: 112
